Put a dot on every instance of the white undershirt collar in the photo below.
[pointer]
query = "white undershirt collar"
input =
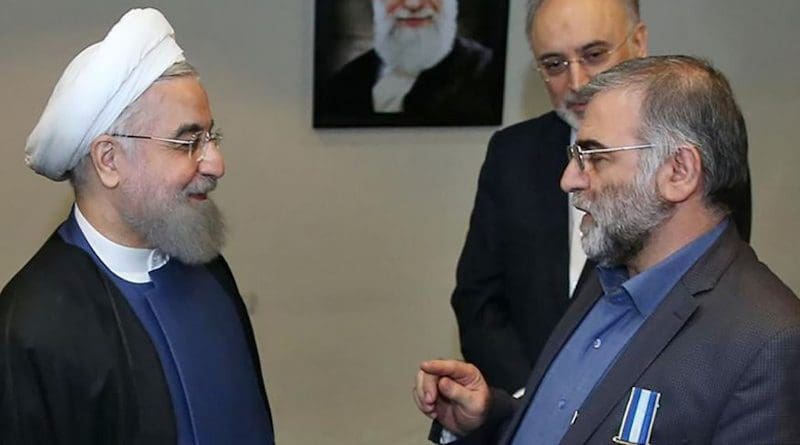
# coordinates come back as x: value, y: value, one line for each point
x: 129, y: 263
x: 391, y: 89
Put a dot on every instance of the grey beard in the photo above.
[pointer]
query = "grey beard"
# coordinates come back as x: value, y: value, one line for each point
x: 194, y: 233
x: 566, y: 115
x: 624, y: 217
x: 415, y: 50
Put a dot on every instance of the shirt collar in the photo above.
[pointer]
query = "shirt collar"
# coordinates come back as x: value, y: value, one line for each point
x: 129, y: 263
x: 650, y: 287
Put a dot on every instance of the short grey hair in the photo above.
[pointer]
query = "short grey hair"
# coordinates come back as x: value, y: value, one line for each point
x: 685, y: 101
x: 128, y: 122
x: 631, y: 6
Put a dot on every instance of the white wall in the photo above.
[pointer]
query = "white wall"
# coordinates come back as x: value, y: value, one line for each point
x: 345, y: 241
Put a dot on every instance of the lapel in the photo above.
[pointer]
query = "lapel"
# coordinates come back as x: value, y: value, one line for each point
x: 643, y: 348
x: 588, y: 294
x: 654, y: 335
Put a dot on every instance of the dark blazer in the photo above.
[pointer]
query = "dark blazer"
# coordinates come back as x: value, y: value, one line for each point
x: 723, y: 349
x: 76, y: 365
x: 464, y: 88
x: 512, y: 282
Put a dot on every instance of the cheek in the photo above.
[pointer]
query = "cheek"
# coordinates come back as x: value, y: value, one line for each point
x: 390, y: 6
x: 556, y: 92
x: 176, y: 180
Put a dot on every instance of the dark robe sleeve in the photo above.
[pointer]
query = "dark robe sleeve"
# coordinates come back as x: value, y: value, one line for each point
x: 58, y: 381
x: 76, y: 367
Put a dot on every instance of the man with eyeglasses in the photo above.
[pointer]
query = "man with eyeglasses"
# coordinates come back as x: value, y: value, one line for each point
x: 127, y: 325
x: 522, y: 258
x: 686, y: 337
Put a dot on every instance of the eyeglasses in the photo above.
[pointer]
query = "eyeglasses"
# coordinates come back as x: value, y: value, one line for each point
x: 196, y: 146
x: 594, y: 57
x: 577, y: 152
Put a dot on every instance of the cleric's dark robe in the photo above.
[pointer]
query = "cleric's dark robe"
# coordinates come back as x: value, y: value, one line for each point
x: 76, y: 365
x: 464, y: 88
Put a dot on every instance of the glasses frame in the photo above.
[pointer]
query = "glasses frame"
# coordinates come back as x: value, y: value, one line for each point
x: 205, y: 136
x: 575, y: 151
x: 581, y: 60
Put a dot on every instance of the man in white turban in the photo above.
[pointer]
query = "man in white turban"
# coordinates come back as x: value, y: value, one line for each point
x: 127, y: 325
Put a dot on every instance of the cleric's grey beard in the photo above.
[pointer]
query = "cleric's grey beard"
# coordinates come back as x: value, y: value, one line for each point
x: 625, y: 216
x: 191, y: 231
x: 413, y: 50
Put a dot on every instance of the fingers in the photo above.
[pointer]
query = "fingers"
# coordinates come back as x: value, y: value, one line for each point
x: 429, y: 386
x: 425, y: 393
x: 470, y: 404
x: 468, y: 399
x: 463, y: 373
x: 452, y: 392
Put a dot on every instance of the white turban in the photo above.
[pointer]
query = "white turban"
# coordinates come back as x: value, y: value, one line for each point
x: 97, y: 86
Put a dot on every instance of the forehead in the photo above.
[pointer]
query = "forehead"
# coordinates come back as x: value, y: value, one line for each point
x: 170, y: 103
x: 612, y: 118
x: 562, y: 26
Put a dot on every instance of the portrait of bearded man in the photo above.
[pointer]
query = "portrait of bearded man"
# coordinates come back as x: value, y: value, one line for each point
x: 422, y: 67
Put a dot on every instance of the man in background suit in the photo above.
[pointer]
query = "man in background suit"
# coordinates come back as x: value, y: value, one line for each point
x: 522, y: 258
x: 686, y: 337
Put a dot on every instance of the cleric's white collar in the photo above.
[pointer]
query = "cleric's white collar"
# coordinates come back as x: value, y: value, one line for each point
x: 129, y: 263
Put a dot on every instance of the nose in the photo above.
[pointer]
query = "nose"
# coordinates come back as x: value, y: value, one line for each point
x: 212, y: 163
x: 574, y: 179
x: 578, y: 77
x: 412, y: 5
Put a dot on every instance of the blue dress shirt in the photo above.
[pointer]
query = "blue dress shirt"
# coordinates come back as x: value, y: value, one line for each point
x: 601, y: 336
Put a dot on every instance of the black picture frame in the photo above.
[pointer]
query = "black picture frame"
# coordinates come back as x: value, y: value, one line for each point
x: 464, y: 89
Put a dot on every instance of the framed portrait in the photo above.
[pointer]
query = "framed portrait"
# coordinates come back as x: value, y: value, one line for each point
x: 388, y: 63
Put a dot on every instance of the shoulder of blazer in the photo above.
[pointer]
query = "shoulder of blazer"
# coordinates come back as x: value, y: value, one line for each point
x: 548, y: 124
x: 546, y: 134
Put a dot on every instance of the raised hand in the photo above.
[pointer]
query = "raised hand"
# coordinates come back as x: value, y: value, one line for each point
x: 452, y: 392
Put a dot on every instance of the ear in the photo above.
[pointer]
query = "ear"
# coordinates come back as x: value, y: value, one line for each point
x: 106, y: 152
x: 639, y: 40
x: 682, y: 176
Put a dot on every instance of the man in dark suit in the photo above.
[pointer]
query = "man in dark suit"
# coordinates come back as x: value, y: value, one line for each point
x: 522, y: 258
x: 686, y: 337
x: 418, y: 73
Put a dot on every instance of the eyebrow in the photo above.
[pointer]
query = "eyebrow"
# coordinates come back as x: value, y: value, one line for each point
x: 193, y: 127
x: 590, y: 144
x: 582, y: 49
x: 594, y: 43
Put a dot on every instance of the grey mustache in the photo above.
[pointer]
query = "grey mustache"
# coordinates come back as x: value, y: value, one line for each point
x: 201, y: 185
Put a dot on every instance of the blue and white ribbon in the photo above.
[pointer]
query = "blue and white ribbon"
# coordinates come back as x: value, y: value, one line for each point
x: 637, y: 425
